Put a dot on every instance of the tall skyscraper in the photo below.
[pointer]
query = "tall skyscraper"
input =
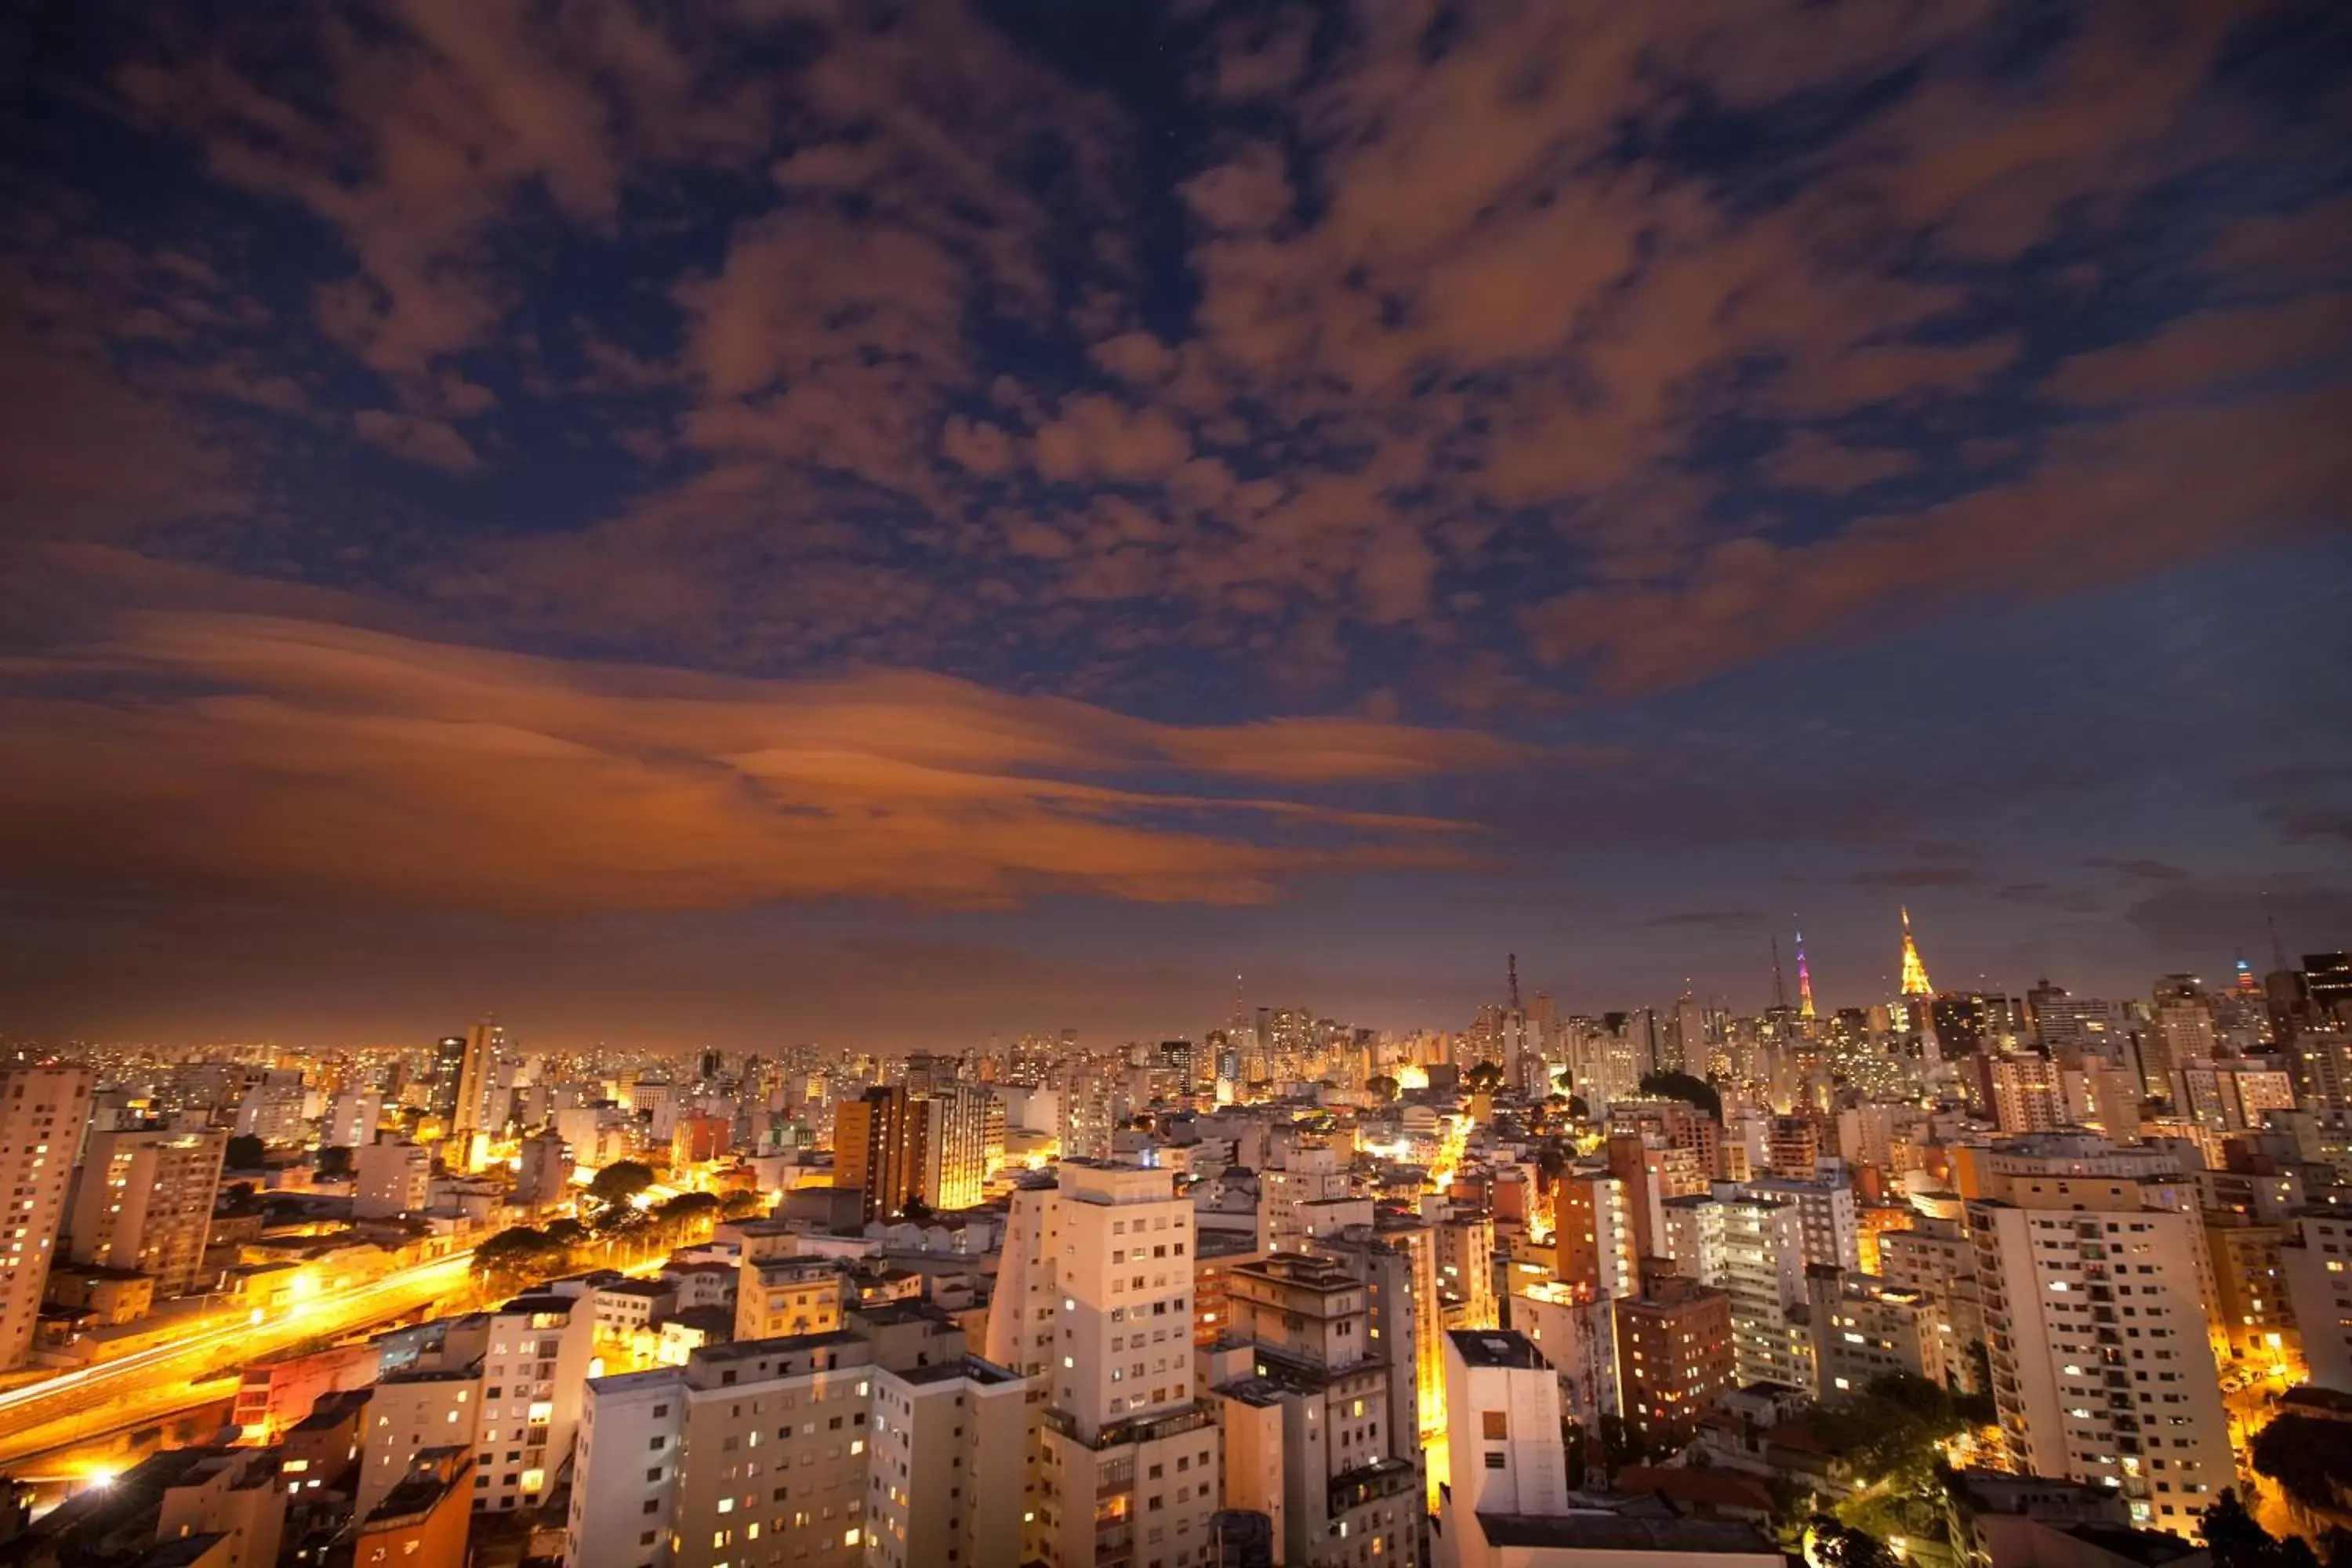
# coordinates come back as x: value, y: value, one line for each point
x: 42, y: 1112
x: 144, y: 1200
x: 447, y: 1068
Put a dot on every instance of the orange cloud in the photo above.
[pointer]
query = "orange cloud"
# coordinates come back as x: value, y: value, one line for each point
x: 309, y: 763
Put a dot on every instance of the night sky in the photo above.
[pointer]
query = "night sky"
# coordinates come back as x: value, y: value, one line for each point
x: 758, y: 522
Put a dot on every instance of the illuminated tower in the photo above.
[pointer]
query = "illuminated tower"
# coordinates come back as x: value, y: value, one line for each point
x: 1804, y: 981
x: 2247, y: 984
x: 1914, y: 974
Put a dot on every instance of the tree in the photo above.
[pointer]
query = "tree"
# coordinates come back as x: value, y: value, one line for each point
x: 1484, y: 1078
x: 743, y: 1204
x: 1838, y: 1545
x: 620, y: 1182
x: 1889, y: 1432
x: 1683, y: 1087
x: 915, y: 1211
x: 246, y: 1153
x: 2236, y: 1540
x: 334, y: 1163
x: 518, y: 1252
x: 2305, y: 1455
x: 1383, y: 1088
x: 566, y: 1231
x: 687, y: 1207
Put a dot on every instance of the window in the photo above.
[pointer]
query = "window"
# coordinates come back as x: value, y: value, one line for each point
x: 1495, y: 1426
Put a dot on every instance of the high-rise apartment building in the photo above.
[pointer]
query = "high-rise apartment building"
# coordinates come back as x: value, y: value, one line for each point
x: 1313, y: 1437
x: 42, y: 1112
x: 143, y: 1201
x: 957, y: 1131
x: 879, y: 1443
x: 1592, y: 1233
x: 2316, y: 1268
x: 1673, y: 1357
x: 1864, y: 1329
x: 1123, y: 1433
x: 477, y: 1070
x: 1751, y: 1249
x: 870, y: 1150
x: 2022, y: 1092
x: 2096, y: 1323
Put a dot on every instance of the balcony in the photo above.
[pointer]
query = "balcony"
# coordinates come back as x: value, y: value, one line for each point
x: 1367, y: 1483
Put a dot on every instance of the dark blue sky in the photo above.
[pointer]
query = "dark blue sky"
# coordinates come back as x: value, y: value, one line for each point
x: 895, y: 522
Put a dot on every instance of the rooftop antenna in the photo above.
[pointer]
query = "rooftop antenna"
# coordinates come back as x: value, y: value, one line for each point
x: 2278, y: 952
x: 1512, y: 967
x: 1779, y: 985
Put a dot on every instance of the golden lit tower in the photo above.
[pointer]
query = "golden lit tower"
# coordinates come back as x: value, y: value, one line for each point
x: 1804, y: 981
x: 1914, y: 974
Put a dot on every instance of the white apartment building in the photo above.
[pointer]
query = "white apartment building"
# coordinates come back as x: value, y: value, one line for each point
x: 1752, y: 1249
x: 2102, y: 1368
x: 1504, y: 1456
x: 540, y: 1349
x: 1826, y: 1216
x: 351, y: 1118
x: 1864, y: 1329
x: 1308, y: 1176
x: 947, y: 1460
x: 826, y: 1450
x: 392, y: 1179
x: 144, y: 1201
x: 1123, y: 1433
x: 43, y: 1110
x: 2317, y: 1266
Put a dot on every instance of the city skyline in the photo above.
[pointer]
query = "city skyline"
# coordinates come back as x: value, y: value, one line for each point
x: 895, y: 524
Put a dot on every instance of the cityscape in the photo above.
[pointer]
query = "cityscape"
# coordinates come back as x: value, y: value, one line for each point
x: 1176, y: 783
x: 1957, y: 1277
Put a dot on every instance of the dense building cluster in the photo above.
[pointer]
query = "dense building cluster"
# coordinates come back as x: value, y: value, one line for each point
x: 2012, y: 1279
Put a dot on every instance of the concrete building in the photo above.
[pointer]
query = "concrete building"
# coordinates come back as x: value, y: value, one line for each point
x: 425, y: 1519
x: 545, y: 1173
x: 1313, y: 1438
x: 957, y: 1131
x: 2316, y: 1268
x: 1396, y: 1265
x: 816, y: 1448
x: 143, y: 1201
x: 1309, y: 1176
x: 352, y: 1120
x: 1465, y: 1266
x: 43, y: 1110
x: 1577, y: 1333
x: 1123, y: 1432
x: 393, y: 1180
x: 2096, y: 1323
x: 776, y: 1297
x: 1504, y: 1456
x: 1592, y: 1230
x: 1864, y: 1329
x: 1751, y: 1249
x: 1674, y: 1358
x: 271, y: 1109
x: 871, y: 1151
x: 1826, y: 1213
x: 478, y: 1074
x: 232, y: 1494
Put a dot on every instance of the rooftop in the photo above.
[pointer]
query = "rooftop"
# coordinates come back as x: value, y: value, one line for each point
x: 1495, y: 1347
x: 1599, y: 1530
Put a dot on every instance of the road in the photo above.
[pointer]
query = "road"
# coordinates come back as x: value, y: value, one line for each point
x: 153, y: 1384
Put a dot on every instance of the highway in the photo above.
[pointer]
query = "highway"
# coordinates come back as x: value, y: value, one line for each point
x: 153, y: 1384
